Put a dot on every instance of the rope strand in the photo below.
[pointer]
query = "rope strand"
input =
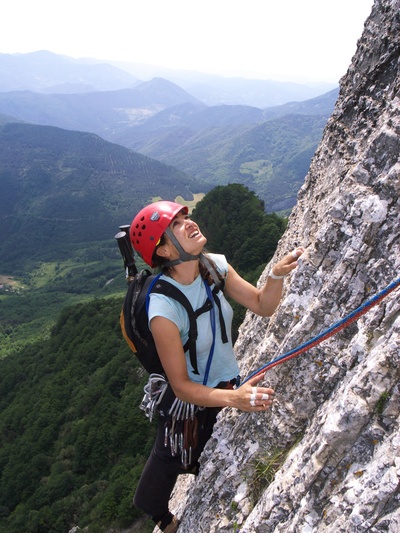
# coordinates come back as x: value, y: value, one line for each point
x: 335, y: 328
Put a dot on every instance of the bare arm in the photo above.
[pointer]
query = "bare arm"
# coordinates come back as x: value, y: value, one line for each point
x: 169, y: 347
x: 265, y: 300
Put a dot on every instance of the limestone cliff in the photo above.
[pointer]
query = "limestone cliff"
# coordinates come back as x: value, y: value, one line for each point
x: 326, y: 458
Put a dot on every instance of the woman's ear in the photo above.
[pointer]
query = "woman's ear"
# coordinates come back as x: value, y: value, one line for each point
x: 162, y: 251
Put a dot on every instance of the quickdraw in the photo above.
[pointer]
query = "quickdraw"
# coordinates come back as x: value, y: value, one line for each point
x: 154, y: 391
x: 180, y: 430
x: 335, y: 328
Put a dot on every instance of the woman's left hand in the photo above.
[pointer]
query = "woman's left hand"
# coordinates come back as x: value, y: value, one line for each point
x: 288, y: 263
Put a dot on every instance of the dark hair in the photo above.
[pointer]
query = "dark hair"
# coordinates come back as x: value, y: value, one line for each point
x: 157, y: 260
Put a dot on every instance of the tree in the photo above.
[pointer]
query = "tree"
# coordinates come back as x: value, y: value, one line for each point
x: 235, y: 223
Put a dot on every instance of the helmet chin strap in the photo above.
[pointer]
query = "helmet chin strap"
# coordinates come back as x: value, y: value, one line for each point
x: 183, y: 256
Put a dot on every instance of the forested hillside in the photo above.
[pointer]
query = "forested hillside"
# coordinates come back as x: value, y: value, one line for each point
x: 73, y: 440
x: 101, y: 112
x: 270, y: 158
x: 234, y: 220
x: 63, y: 196
x: 59, y: 188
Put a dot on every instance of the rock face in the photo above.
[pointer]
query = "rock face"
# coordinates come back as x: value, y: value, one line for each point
x: 326, y: 458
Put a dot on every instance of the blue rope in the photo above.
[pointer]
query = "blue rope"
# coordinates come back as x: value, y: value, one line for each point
x: 335, y: 328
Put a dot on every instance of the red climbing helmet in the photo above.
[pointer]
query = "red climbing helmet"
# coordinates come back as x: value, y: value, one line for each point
x: 149, y: 224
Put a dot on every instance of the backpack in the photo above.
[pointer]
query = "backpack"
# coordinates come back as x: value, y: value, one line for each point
x: 134, y: 319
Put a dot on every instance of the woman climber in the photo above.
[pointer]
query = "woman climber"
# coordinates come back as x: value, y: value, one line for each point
x: 196, y: 390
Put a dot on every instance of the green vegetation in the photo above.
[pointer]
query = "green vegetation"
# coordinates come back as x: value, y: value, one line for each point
x: 271, y: 158
x: 265, y: 467
x: 234, y: 221
x: 381, y: 403
x: 30, y: 310
x: 73, y: 441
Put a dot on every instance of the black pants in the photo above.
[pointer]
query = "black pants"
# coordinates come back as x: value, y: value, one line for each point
x: 161, y: 470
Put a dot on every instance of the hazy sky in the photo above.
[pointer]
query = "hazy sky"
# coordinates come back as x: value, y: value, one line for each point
x: 280, y: 39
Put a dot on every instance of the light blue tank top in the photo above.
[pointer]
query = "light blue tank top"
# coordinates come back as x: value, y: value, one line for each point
x: 224, y: 366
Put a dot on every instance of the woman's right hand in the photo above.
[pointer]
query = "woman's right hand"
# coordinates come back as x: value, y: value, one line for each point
x: 251, y: 398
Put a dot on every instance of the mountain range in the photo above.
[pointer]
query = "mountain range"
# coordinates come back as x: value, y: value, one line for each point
x: 46, y: 72
x: 268, y: 150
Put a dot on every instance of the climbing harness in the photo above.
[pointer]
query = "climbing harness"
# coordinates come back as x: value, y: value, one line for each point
x: 335, y: 328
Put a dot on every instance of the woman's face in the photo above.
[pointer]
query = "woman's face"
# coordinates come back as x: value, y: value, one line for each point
x: 187, y: 233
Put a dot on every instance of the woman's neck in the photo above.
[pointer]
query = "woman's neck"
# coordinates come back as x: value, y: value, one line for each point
x: 185, y: 273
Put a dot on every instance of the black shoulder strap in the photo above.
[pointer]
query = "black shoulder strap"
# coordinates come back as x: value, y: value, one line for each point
x: 163, y: 287
x: 224, y: 336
